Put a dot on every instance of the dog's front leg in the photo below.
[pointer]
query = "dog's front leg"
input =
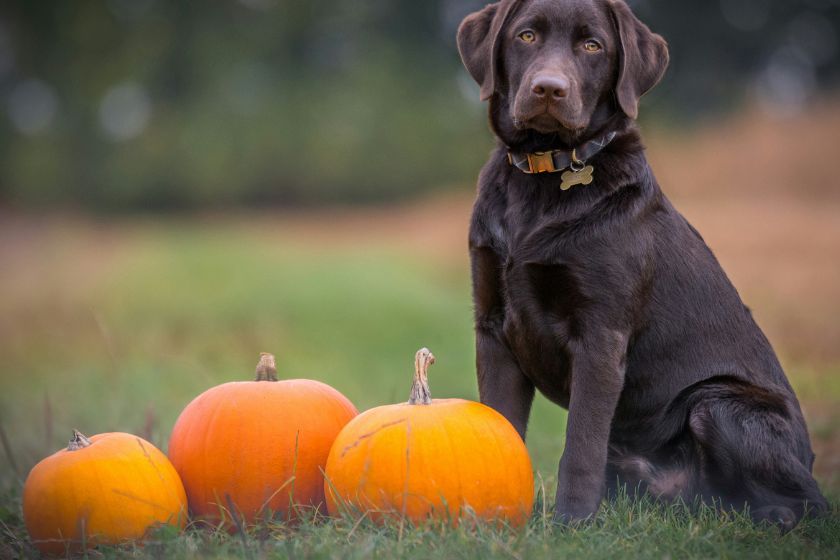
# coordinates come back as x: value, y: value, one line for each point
x: 598, y: 363
x: 501, y: 384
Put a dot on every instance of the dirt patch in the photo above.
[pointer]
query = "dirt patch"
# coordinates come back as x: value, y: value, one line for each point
x: 756, y: 153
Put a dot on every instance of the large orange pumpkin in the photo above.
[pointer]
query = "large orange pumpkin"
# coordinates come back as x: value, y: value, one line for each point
x: 107, y: 489
x: 441, y: 458
x: 258, y: 446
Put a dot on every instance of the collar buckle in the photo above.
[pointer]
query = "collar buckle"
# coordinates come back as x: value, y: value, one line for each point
x: 541, y: 162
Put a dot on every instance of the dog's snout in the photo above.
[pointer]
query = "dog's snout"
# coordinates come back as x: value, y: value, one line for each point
x: 550, y: 87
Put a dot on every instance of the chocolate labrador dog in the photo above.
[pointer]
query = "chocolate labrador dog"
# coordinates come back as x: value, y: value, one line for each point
x: 589, y: 286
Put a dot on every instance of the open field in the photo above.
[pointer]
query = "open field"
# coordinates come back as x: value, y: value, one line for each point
x: 115, y: 325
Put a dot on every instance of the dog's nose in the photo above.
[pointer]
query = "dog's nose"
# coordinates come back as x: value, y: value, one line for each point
x: 550, y: 87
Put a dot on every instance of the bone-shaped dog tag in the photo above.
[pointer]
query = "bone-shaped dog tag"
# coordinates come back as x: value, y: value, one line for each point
x: 572, y: 178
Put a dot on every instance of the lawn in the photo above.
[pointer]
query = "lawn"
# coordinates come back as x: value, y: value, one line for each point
x: 118, y: 326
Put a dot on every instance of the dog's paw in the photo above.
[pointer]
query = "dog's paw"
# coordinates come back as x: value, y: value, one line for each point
x: 816, y: 508
x: 780, y: 516
x: 572, y: 517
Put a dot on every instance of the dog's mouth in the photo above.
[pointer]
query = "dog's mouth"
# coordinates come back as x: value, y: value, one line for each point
x: 548, y: 121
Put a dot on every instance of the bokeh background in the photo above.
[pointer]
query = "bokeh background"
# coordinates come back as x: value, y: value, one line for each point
x: 152, y: 105
x: 186, y: 184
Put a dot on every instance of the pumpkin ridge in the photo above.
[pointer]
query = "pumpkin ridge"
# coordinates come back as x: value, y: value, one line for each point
x: 136, y: 477
x: 137, y: 498
x: 407, y: 485
x: 205, y: 464
x: 149, y: 457
x: 371, y: 434
x: 169, y: 489
x: 143, y: 478
x: 108, y: 506
x: 500, y: 449
x: 128, y: 476
x: 528, y: 475
x: 77, y: 498
x: 454, y: 455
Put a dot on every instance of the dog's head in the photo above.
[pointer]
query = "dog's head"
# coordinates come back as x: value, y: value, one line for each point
x: 560, y: 68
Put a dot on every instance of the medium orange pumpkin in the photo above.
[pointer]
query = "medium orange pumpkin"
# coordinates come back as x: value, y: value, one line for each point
x: 259, y: 446
x: 107, y: 489
x: 441, y: 458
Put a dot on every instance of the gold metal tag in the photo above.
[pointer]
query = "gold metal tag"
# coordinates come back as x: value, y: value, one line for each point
x: 541, y: 162
x: 580, y: 177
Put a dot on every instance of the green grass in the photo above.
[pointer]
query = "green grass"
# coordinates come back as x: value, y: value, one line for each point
x: 625, y: 529
x: 120, y: 331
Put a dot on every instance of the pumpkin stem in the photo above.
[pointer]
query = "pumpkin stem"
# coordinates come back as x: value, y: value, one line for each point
x: 78, y: 441
x: 420, y: 393
x: 267, y: 368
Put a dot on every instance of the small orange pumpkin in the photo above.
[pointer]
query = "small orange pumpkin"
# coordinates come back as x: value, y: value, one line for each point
x: 107, y: 489
x: 429, y: 458
x: 259, y: 446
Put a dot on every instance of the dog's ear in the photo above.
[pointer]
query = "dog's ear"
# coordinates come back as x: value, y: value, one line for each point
x: 643, y: 58
x: 478, y: 43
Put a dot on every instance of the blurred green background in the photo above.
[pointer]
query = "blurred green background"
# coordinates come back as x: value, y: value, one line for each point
x: 149, y: 105
x: 186, y: 184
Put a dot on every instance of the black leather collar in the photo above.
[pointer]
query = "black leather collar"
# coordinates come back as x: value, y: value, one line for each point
x: 559, y: 160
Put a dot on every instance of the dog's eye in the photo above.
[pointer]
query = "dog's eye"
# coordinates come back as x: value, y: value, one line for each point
x: 528, y: 36
x: 591, y: 45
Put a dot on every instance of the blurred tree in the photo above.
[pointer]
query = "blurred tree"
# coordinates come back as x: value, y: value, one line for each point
x: 151, y: 104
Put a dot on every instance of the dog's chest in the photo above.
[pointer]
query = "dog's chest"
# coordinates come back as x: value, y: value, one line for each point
x: 538, y: 321
x: 549, y: 271
x: 541, y: 296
